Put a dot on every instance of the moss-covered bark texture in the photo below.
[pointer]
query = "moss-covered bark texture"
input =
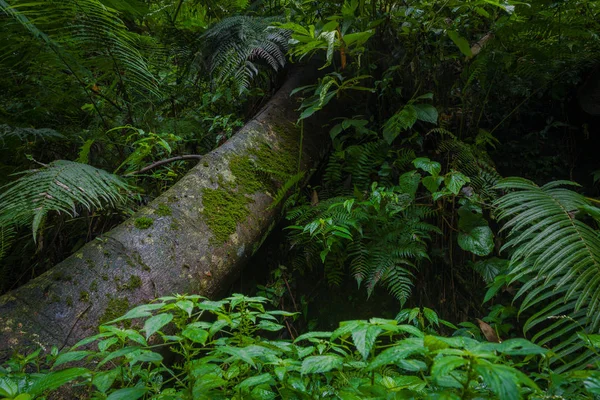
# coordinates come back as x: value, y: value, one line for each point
x: 194, y: 238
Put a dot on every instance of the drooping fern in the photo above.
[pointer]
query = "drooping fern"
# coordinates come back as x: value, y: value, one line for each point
x: 557, y: 256
x: 31, y: 134
x: 237, y: 44
x: 88, y: 38
x: 60, y: 186
x: 7, y: 236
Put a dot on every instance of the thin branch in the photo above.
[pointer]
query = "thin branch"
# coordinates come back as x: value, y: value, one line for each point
x: 165, y: 161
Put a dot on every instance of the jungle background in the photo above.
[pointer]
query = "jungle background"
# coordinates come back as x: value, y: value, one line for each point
x: 447, y: 247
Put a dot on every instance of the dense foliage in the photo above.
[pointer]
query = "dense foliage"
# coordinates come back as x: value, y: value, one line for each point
x: 104, y: 104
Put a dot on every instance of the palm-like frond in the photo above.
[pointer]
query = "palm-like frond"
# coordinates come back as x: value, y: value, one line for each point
x: 60, y: 186
x: 558, y: 258
x: 7, y: 236
x: 88, y: 38
x: 32, y: 134
x: 237, y: 43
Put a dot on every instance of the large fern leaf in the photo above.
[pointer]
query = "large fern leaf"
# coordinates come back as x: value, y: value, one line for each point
x: 60, y: 186
x: 238, y: 43
x: 558, y: 258
x: 86, y: 36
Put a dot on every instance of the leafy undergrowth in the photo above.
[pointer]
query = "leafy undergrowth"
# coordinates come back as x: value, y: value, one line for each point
x: 232, y: 349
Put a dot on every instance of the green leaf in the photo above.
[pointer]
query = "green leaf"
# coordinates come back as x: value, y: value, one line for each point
x: 424, y: 163
x: 186, y: 306
x: 195, y: 334
x: 426, y: 113
x: 401, y: 351
x: 455, y: 180
x: 520, y: 347
x: 155, y: 323
x: 132, y: 393
x: 138, y: 312
x: 320, y: 364
x: 500, y: 378
x: 8, y: 387
x: 56, y: 379
x: 479, y: 240
x: 105, y: 379
x: 475, y: 235
x: 239, y: 354
x: 364, y: 338
x: 409, y: 183
x: 460, y: 42
x: 432, y: 183
x: 269, y: 326
x: 144, y: 356
x: 71, y: 356
x: 315, y: 334
x: 255, y: 380
x: 399, y: 122
x: 443, y: 366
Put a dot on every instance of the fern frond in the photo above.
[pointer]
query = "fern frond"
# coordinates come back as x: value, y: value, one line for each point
x: 60, y: 186
x: 7, y: 236
x: 557, y: 255
x: 285, y: 188
x: 27, y: 134
x: 237, y: 43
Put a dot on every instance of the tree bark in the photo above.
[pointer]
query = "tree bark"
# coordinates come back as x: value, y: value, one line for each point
x: 179, y: 243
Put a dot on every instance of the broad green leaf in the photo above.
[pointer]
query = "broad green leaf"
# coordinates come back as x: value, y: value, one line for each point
x: 71, y: 356
x: 186, y: 306
x: 8, y: 387
x: 315, y: 334
x: 105, y: 379
x: 56, y: 379
x: 433, y: 167
x: 460, y: 42
x: 500, y: 378
x: 455, y: 180
x: 139, y: 312
x: 132, y: 393
x: 239, y: 354
x: 475, y: 235
x: 195, y: 334
x: 432, y: 183
x: 269, y: 326
x: 409, y: 183
x: 144, y: 356
x: 155, y: 323
x: 479, y: 240
x: 320, y: 364
x: 403, y: 120
x: 426, y: 113
x: 442, y: 366
x: 255, y: 380
x: 402, y: 350
x: 520, y: 347
x: 364, y: 338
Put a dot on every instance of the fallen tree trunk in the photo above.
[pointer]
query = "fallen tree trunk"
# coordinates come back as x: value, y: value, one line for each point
x: 194, y: 238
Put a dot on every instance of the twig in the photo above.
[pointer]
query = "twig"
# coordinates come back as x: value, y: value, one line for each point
x: 291, y: 295
x: 165, y: 161
x: 73, y: 326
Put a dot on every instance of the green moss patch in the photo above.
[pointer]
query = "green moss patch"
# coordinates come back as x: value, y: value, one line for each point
x: 260, y: 170
x: 115, y: 308
x: 223, y: 210
x: 143, y: 222
x: 163, y: 210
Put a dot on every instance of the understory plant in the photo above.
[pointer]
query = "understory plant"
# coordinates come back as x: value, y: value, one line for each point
x: 189, y: 347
